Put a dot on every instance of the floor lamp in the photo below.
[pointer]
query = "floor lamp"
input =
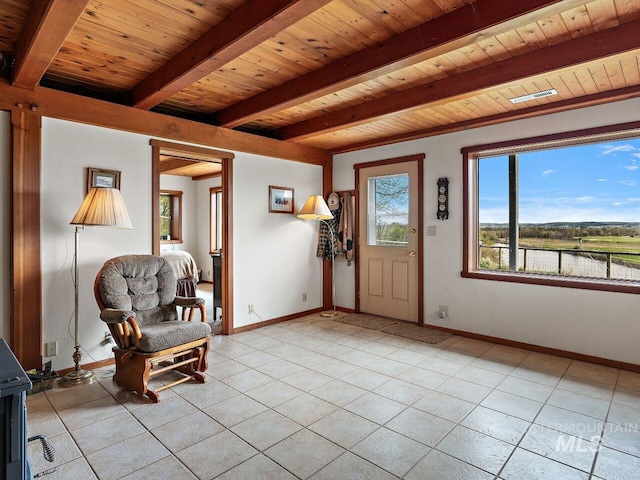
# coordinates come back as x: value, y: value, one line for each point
x: 315, y: 208
x: 101, y: 207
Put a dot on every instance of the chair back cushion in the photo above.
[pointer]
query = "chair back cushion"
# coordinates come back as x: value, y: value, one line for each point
x: 145, y: 284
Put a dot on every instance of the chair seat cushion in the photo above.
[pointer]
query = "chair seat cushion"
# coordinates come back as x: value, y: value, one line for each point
x: 159, y: 336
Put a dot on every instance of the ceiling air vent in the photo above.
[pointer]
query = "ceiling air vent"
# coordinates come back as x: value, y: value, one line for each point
x: 533, y: 96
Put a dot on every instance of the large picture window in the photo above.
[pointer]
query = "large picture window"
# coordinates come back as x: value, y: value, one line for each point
x: 562, y: 211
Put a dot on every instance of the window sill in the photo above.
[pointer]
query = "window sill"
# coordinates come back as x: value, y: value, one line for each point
x: 621, y: 286
x: 170, y: 242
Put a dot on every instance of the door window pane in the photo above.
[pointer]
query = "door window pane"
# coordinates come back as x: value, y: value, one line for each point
x: 388, y: 216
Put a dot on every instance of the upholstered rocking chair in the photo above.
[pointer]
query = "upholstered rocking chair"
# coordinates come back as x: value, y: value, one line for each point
x: 137, y: 299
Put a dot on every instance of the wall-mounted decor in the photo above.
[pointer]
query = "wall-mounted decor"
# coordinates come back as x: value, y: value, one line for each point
x: 280, y: 199
x: 443, y: 198
x: 97, y: 177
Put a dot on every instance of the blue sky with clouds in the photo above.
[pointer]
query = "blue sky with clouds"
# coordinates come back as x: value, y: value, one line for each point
x: 595, y: 182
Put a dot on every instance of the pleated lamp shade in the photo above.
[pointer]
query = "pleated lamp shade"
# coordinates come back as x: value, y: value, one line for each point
x: 315, y: 208
x: 103, y: 207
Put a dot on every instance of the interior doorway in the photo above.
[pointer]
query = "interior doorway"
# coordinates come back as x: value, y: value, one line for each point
x: 390, y: 244
x: 200, y: 164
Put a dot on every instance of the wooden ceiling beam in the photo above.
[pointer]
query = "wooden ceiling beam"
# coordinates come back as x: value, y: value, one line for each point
x: 459, y: 28
x: 530, y: 112
x: 75, y: 108
x: 174, y: 164
x: 250, y: 25
x: 574, y: 52
x: 45, y: 30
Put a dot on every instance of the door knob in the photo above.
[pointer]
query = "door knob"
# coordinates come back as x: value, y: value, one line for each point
x: 413, y: 230
x: 412, y: 253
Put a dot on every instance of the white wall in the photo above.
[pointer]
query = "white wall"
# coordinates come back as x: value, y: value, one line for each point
x: 5, y: 224
x: 67, y: 150
x: 274, y: 260
x: 274, y: 254
x: 588, y: 322
x: 201, y: 254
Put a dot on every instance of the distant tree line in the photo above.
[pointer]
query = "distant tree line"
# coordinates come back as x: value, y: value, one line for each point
x: 493, y: 234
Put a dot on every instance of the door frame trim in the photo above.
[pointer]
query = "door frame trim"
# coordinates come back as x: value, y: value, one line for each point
x: 419, y: 159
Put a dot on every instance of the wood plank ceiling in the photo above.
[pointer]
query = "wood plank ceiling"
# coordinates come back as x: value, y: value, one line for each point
x: 334, y: 74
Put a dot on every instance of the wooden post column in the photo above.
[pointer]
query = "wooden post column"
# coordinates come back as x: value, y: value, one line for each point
x: 26, y: 274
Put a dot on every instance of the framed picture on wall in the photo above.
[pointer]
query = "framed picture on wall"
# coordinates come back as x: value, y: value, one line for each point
x: 102, y: 178
x: 280, y: 199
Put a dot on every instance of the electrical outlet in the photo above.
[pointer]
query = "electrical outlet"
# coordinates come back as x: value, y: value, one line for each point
x: 251, y: 308
x: 304, y: 297
x: 51, y: 349
x: 443, y: 311
x: 107, y: 340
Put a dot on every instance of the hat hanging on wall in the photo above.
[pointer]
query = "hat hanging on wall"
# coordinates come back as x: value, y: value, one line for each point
x: 333, y: 201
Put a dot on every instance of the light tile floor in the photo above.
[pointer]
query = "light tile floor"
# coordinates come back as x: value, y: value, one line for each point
x: 314, y: 398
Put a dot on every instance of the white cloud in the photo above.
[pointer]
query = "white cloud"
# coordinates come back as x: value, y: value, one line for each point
x: 632, y: 167
x: 585, y: 199
x: 603, y: 180
x: 609, y: 149
x: 628, y: 183
x: 546, y: 173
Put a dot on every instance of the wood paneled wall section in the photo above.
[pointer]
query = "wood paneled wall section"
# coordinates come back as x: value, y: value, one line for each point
x: 26, y: 278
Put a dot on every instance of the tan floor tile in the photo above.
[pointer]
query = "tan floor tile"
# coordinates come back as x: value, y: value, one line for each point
x: 456, y: 387
x: 547, y: 363
x: 440, y: 466
x: 525, y: 388
x: 91, y: 412
x: 512, y: 405
x: 305, y: 409
x: 421, y: 426
x: 586, y: 387
x: 441, y: 365
x: 203, y: 395
x: 126, y: 457
x: 265, y: 429
x: 42, y: 418
x: 624, y: 438
x: 593, y: 372
x: 274, y: 393
x: 423, y: 377
x: 185, y: 431
x: 334, y: 368
x: 375, y: 407
x: 535, y: 375
x: 256, y: 359
x: 401, y: 391
x: 304, y: 453
x: 344, y: 428
x: 444, y: 406
x: 366, y: 379
x: 62, y: 398
x: 348, y: 467
x: 280, y: 368
x: 257, y: 468
x: 104, y: 433
x: 524, y: 465
x: 480, y: 376
x: 307, y: 379
x: 494, y: 365
x: 338, y: 392
x: 75, y: 469
x: 471, y: 345
x: 629, y: 380
x: 215, y: 455
x: 593, y: 407
x: 156, y: 414
x: 407, y: 356
x: 391, y: 451
x: 561, y: 447
x: 248, y: 380
x: 388, y: 367
x: 477, y: 449
x: 65, y: 451
x: 226, y: 369
x: 496, y: 424
x: 614, y: 465
x: 235, y: 410
x: 168, y: 467
x: 569, y: 422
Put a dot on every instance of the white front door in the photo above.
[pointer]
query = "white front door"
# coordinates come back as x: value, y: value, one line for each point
x: 389, y: 238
